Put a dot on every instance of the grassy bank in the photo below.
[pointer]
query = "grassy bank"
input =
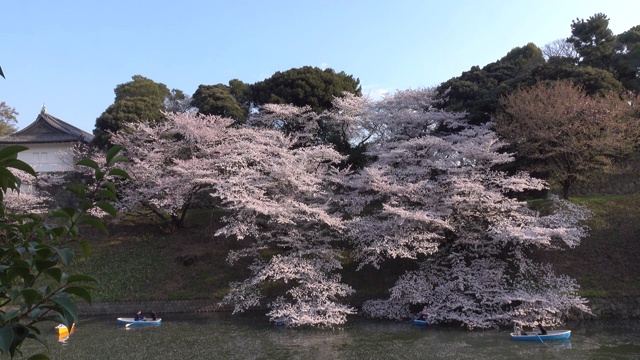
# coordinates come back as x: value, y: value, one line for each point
x: 606, y: 262
x: 138, y: 262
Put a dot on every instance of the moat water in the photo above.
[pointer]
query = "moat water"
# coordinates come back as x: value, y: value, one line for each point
x: 250, y: 336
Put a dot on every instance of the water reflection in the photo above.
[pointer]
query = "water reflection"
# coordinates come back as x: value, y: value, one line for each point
x: 223, y: 336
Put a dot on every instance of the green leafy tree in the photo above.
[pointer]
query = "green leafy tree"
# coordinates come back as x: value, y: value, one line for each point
x: 305, y: 86
x: 220, y: 100
x: 139, y: 100
x: 8, y: 119
x: 627, y: 60
x: 478, y: 91
x: 594, y: 41
x: 592, y: 79
x: 35, y: 252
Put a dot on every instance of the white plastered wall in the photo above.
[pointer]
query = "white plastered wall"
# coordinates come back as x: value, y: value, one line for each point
x: 48, y: 157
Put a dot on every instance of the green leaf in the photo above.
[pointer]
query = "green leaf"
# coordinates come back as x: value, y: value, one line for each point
x: 107, y: 194
x: 78, y: 189
x: 107, y: 207
x: 43, y: 264
x: 86, y: 205
x: 9, y: 315
x: 99, y: 175
x: 20, y: 333
x: 37, y: 312
x: 80, y: 277
x: 79, y: 291
x: 119, y: 172
x: 118, y: 159
x: 54, y: 273
x: 109, y: 186
x: 35, y: 334
x: 70, y: 310
x: 65, y: 213
x: 73, y: 231
x: 85, y: 247
x: 95, y: 223
x: 66, y: 255
x: 21, y: 165
x: 111, y: 154
x: 30, y: 296
x: 11, y: 151
x: 89, y: 163
x: 6, y: 338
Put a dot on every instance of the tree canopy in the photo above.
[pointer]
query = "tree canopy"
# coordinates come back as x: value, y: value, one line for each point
x: 222, y: 100
x: 592, y: 57
x: 139, y: 100
x: 305, y: 86
x: 627, y: 61
x: 477, y: 91
x: 593, y: 40
x: 8, y: 119
x: 567, y: 132
x: 431, y: 198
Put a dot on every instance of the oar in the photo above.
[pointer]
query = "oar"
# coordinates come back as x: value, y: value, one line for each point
x: 539, y: 338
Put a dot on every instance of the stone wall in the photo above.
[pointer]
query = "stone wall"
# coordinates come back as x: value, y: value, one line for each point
x: 161, y: 307
x: 610, y: 308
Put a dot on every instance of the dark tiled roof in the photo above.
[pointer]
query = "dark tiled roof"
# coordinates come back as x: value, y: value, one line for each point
x: 47, y: 129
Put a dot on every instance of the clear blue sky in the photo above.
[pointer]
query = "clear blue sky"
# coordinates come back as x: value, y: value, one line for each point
x: 70, y: 55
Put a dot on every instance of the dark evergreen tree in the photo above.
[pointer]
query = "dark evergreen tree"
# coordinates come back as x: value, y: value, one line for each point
x: 227, y: 101
x: 627, y: 59
x: 594, y: 41
x: 139, y: 100
x: 305, y: 86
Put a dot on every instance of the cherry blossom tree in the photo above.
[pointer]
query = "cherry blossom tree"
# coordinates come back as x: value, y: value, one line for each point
x: 568, y: 133
x: 434, y: 196
x: 28, y: 198
x: 36, y: 193
x: 158, y: 188
x: 277, y: 197
x: 341, y: 127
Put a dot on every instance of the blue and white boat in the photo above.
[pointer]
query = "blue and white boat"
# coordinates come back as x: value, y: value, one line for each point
x: 536, y: 336
x: 133, y: 322
x: 420, y: 322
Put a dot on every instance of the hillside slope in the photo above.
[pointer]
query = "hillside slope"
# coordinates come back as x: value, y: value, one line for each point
x: 138, y: 262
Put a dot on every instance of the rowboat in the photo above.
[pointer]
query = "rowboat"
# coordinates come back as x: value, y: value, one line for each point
x: 133, y: 322
x: 420, y: 322
x: 536, y: 336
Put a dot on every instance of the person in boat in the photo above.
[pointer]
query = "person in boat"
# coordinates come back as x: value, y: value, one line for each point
x: 543, y: 331
x: 517, y: 330
x: 422, y: 316
x: 154, y: 316
x: 138, y: 316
